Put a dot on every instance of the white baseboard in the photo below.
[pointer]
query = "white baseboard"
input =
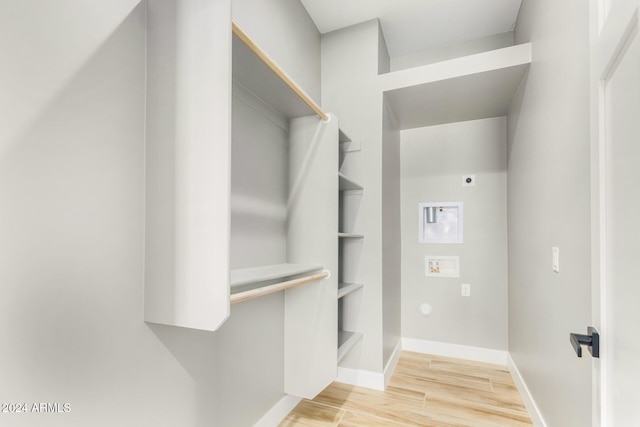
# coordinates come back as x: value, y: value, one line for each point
x: 478, y: 354
x: 361, y: 378
x: 370, y: 379
x: 278, y: 412
x: 379, y: 381
x: 529, y: 403
x: 391, y: 364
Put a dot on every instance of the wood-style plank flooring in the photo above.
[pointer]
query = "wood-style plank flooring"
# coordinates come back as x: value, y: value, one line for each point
x: 425, y: 390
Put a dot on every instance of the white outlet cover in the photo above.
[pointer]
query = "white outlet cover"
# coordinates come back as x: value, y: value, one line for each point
x: 465, y: 290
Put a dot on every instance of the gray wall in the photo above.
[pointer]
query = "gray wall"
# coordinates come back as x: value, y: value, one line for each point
x: 434, y: 159
x: 71, y: 197
x: 391, y: 236
x: 444, y: 53
x: 548, y: 205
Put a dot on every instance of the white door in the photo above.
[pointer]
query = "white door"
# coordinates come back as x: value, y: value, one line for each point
x: 615, y: 78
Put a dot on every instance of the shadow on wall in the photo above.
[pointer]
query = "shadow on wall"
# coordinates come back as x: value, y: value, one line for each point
x: 238, y: 370
x: 513, y: 116
x: 71, y: 196
x: 71, y: 256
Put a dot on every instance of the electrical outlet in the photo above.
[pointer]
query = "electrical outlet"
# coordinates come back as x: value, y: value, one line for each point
x: 465, y: 290
x: 555, y: 259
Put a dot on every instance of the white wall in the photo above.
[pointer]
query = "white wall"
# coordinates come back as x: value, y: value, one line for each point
x: 444, y: 53
x: 433, y: 162
x: 549, y: 206
x: 391, y: 235
x: 71, y: 203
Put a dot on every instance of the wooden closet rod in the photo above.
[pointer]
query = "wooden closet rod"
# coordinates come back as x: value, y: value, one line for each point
x: 277, y: 287
x: 253, y: 47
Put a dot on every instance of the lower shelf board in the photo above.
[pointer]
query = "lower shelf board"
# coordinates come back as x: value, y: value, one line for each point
x: 350, y: 236
x: 346, y: 341
x: 247, y: 276
x: 345, y: 289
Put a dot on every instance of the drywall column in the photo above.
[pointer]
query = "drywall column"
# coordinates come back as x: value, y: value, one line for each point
x: 548, y: 205
x: 391, y: 236
x: 188, y: 169
x: 311, y: 311
x: 351, y: 60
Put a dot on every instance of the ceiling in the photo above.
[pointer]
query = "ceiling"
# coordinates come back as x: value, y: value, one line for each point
x: 413, y: 25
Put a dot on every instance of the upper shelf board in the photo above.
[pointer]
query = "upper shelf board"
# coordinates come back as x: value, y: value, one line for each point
x: 253, y: 75
x: 345, y: 183
x: 468, y: 88
x: 248, y: 276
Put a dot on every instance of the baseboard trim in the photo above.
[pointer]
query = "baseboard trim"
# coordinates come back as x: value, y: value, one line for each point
x: 478, y: 354
x: 529, y: 403
x: 391, y: 364
x: 361, y: 378
x: 278, y: 412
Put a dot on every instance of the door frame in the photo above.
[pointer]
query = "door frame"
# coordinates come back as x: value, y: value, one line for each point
x: 613, y: 25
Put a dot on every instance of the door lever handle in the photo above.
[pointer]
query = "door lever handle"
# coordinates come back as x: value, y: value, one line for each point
x: 592, y: 340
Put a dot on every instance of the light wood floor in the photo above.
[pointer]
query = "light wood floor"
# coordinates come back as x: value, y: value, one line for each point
x: 424, y: 390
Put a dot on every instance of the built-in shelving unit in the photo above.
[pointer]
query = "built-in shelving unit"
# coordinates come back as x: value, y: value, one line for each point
x: 466, y: 88
x: 198, y: 232
x: 348, y: 242
x: 304, y: 213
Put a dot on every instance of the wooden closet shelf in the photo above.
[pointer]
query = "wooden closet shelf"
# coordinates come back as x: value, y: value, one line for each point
x: 249, y: 65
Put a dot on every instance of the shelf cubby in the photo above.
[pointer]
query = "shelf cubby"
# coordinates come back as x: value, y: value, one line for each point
x: 346, y: 341
x: 471, y: 87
